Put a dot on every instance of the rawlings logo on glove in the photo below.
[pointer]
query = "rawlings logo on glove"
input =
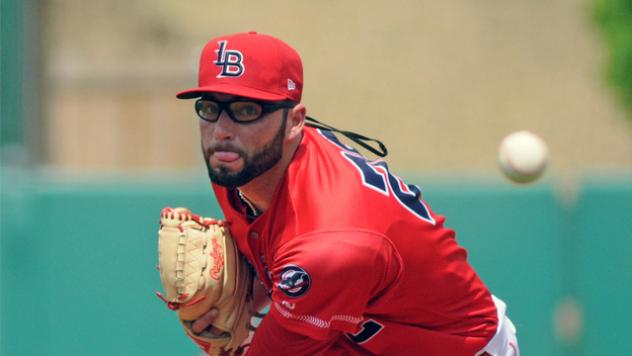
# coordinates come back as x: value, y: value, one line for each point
x: 201, y: 268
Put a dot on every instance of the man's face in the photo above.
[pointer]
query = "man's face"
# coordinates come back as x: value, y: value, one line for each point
x: 236, y: 153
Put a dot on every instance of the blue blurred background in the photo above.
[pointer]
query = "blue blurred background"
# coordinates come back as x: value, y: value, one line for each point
x: 94, y: 145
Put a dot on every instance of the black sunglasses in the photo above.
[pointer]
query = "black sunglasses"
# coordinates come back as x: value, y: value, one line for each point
x: 243, y: 111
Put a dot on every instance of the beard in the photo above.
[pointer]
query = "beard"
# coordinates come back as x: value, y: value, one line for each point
x: 254, y: 165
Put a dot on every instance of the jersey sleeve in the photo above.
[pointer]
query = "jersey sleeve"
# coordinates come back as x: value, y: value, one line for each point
x: 272, y: 338
x: 323, y: 281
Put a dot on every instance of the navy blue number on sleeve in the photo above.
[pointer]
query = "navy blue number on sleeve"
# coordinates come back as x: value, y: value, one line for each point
x: 368, y: 329
x: 376, y: 176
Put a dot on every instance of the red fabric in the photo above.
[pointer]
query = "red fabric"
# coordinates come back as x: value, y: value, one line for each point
x: 358, y: 254
x: 271, y: 338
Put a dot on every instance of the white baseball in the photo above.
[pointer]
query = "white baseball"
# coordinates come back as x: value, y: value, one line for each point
x: 523, y: 156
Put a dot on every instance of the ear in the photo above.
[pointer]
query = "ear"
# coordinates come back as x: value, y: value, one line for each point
x: 296, y: 121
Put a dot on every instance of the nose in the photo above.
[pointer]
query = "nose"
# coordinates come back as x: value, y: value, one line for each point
x: 224, y: 128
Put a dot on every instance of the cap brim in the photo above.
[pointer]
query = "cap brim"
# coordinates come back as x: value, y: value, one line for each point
x: 230, y: 90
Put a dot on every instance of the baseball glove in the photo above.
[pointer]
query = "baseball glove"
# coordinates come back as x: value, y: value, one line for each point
x: 201, y: 268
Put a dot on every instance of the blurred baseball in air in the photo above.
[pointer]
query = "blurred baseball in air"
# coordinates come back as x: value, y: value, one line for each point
x: 523, y: 156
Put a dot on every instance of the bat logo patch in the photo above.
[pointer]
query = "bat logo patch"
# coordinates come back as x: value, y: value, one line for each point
x: 295, y: 281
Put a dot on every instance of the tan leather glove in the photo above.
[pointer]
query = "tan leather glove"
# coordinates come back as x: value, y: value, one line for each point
x: 201, y: 268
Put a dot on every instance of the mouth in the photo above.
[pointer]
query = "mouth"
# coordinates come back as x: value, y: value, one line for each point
x: 226, y: 156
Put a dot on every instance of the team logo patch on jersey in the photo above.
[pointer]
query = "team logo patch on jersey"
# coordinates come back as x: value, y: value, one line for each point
x: 231, y: 61
x: 295, y: 281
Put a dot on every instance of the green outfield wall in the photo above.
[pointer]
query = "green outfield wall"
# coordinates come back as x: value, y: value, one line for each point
x: 79, y: 261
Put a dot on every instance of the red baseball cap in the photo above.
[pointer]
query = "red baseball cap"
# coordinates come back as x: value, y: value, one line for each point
x: 250, y: 65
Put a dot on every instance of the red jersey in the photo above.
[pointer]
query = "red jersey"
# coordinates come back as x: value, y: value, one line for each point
x: 356, y: 262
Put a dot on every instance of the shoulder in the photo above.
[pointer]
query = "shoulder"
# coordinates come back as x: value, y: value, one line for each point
x: 356, y: 243
x: 343, y: 256
x: 325, y: 187
x: 324, y: 280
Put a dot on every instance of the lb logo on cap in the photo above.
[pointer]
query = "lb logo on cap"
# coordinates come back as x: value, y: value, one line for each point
x: 231, y: 61
x: 295, y: 281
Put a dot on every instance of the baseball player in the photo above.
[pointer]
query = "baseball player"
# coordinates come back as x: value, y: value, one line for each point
x: 351, y: 259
